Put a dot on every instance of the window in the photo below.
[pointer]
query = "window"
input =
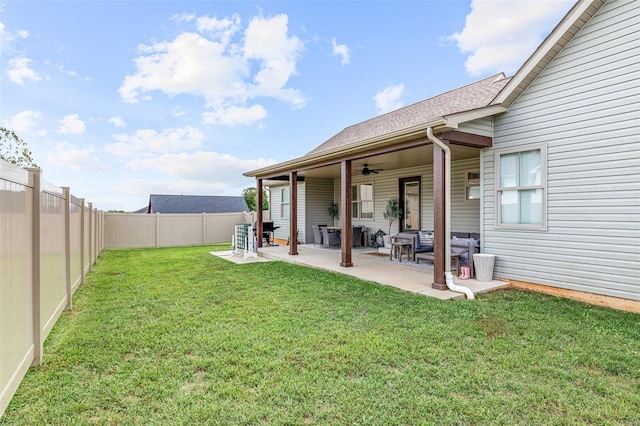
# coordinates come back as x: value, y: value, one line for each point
x: 362, y: 201
x: 472, y: 187
x: 521, y: 188
x: 284, y: 203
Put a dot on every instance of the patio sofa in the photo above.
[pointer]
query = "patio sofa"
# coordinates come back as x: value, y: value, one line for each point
x: 468, y: 242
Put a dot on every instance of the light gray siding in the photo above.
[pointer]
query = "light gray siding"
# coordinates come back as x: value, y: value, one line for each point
x: 318, y: 197
x: 465, y: 215
x: 585, y: 106
x: 483, y: 127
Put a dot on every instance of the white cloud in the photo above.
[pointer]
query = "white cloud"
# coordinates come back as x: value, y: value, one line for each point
x: 77, y: 159
x: 147, y: 142
x: 222, y: 29
x: 389, y: 99
x: 226, y: 74
x: 22, y: 122
x: 267, y: 41
x: 117, y: 122
x: 71, y: 124
x: 501, y: 35
x: 19, y: 71
x: 341, y: 51
x: 235, y: 115
x: 206, y: 167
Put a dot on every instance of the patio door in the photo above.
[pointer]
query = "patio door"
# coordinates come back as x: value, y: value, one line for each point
x: 410, y: 200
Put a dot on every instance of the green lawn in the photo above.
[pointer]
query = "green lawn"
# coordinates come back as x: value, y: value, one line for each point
x: 177, y: 336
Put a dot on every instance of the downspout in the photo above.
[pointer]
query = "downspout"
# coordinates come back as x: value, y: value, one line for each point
x: 447, y: 219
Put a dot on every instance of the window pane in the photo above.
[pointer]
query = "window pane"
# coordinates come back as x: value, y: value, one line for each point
x: 531, y: 206
x: 530, y: 168
x: 354, y: 193
x: 285, y: 195
x: 367, y: 210
x: 366, y: 192
x: 473, y: 192
x: 354, y: 210
x: 509, y: 207
x: 509, y: 170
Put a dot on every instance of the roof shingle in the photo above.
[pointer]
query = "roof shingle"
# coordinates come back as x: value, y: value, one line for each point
x: 467, y: 98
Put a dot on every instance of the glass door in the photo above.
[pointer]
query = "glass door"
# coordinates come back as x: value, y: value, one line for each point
x: 410, y: 200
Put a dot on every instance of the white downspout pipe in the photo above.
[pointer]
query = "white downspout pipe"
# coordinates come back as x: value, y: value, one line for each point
x: 447, y: 220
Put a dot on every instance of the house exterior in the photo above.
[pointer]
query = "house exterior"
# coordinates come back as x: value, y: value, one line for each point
x: 160, y: 203
x: 543, y: 165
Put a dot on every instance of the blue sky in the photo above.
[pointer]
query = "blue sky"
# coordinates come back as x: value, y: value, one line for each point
x: 120, y: 99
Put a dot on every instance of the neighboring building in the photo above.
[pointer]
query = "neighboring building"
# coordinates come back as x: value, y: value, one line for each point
x: 195, y: 204
x: 544, y: 165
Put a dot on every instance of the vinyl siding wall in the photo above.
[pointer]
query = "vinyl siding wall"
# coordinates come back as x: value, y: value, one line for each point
x: 482, y: 127
x: 276, y: 212
x: 465, y: 215
x: 319, y: 195
x: 585, y: 106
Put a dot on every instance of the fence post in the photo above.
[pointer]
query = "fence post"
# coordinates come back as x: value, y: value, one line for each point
x: 157, y: 229
x: 95, y: 235
x: 66, y: 194
x: 90, y: 244
x: 204, y: 228
x: 82, y: 207
x: 36, y: 174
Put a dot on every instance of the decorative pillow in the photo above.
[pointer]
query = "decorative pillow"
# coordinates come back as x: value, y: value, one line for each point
x: 426, y: 238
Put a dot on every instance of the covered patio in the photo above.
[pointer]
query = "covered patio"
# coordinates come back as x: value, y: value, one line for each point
x: 378, y: 269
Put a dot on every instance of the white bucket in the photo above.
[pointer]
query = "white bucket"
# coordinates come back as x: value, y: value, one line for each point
x: 483, y: 263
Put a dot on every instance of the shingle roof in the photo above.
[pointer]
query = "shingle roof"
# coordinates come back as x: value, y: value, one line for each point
x: 467, y: 98
x: 196, y: 204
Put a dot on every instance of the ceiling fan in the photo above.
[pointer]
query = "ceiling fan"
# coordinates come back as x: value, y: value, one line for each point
x: 367, y: 171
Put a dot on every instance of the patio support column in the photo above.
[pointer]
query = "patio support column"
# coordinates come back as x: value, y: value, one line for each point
x: 293, y: 213
x: 439, y: 217
x: 345, y: 216
x: 259, y: 211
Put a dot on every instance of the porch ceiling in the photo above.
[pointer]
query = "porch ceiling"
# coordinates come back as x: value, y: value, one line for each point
x: 411, y: 157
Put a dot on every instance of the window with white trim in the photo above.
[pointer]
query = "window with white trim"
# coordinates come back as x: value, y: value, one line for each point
x: 362, y: 201
x: 284, y: 203
x: 521, y: 188
x: 472, y: 186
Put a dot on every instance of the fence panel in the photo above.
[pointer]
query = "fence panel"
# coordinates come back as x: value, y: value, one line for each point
x: 75, y: 242
x: 169, y: 230
x: 129, y: 230
x: 16, y: 293
x: 45, y: 236
x: 53, y: 277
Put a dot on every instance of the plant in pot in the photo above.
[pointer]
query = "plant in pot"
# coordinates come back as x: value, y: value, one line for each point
x: 333, y: 211
x: 376, y: 239
x: 391, y: 212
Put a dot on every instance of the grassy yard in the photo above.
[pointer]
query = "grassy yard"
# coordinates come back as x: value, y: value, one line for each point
x: 177, y: 336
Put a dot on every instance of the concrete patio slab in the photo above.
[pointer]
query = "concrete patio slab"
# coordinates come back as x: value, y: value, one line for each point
x: 378, y: 269
x: 238, y: 258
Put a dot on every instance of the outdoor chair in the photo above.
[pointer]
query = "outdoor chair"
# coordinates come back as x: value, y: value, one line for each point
x: 317, y: 235
x: 330, y: 238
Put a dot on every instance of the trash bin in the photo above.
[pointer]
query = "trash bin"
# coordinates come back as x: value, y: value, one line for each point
x: 483, y: 263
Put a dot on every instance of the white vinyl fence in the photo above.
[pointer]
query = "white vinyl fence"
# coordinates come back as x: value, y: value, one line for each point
x: 49, y: 240
x: 171, y: 230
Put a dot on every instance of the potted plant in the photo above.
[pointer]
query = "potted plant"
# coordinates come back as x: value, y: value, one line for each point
x: 377, y: 238
x: 392, y: 212
x: 333, y: 211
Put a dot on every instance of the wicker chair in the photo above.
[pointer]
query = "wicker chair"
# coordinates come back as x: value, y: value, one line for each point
x: 330, y: 238
x: 317, y: 235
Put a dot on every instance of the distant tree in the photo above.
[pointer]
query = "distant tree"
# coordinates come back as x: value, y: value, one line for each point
x: 251, y: 197
x: 14, y: 149
x: 116, y: 211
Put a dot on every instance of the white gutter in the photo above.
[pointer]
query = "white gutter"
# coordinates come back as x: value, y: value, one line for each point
x: 447, y: 220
